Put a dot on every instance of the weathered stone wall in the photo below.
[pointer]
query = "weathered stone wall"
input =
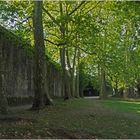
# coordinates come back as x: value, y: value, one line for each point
x: 17, y: 60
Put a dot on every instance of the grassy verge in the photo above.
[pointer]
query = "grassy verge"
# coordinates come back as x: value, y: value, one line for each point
x: 124, y: 105
x: 78, y: 118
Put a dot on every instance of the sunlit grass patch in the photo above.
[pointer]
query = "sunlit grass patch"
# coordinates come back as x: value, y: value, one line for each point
x: 129, y: 106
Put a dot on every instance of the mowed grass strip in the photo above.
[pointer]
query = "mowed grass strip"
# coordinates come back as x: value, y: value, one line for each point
x: 77, y: 118
x: 123, y: 105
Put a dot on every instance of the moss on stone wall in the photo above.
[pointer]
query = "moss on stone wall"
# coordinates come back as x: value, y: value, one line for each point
x: 19, y: 42
x: 11, y: 36
x: 16, y: 41
x: 18, y: 62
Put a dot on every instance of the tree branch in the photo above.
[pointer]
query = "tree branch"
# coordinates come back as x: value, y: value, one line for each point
x: 64, y: 43
x: 51, y: 42
x: 57, y: 44
x: 76, y: 8
x: 92, y: 8
x: 51, y: 17
x: 53, y: 34
x: 85, y: 51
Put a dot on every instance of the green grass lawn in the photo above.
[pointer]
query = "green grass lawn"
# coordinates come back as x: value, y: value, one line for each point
x: 127, y: 106
x: 78, y: 118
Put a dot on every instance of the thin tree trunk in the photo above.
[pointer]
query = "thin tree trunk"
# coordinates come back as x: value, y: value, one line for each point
x: 62, y: 58
x: 103, y: 91
x: 39, y: 60
x: 116, y: 86
x: 81, y: 84
x: 64, y: 76
x: 70, y: 74
x: 125, y: 93
x: 77, y: 75
x: 73, y: 71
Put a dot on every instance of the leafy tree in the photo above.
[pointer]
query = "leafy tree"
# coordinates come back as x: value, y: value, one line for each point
x: 104, y: 35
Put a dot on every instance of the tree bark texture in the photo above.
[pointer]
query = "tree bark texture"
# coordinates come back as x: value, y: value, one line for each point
x: 65, y: 84
x: 41, y: 96
x: 103, y: 91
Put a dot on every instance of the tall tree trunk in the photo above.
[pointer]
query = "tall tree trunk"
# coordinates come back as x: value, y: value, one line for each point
x: 77, y: 75
x: 116, y: 86
x: 39, y: 60
x: 81, y: 84
x: 101, y: 68
x: 62, y: 57
x: 103, y: 91
x: 3, y: 99
x: 125, y: 93
x: 72, y: 72
x: 64, y: 78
